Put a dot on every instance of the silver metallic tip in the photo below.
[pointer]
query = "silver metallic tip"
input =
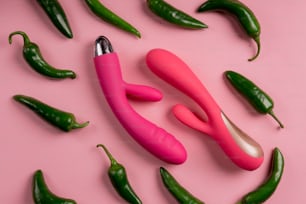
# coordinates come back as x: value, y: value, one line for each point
x: 102, y: 46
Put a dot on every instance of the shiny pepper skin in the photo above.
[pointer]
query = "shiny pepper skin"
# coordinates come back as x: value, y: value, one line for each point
x: 177, y: 190
x: 267, y: 188
x: 243, y: 14
x: 119, y: 179
x: 41, y: 193
x: 173, y: 15
x: 57, y: 15
x: 109, y: 16
x: 58, y: 118
x: 34, y: 58
x: 259, y: 100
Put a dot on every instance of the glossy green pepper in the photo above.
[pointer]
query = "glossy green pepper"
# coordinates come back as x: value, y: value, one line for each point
x: 58, y: 118
x: 173, y: 15
x: 260, y: 100
x: 266, y: 189
x: 244, y: 14
x: 33, y: 57
x: 109, y: 16
x: 57, y: 15
x: 41, y: 193
x: 177, y: 190
x: 119, y: 179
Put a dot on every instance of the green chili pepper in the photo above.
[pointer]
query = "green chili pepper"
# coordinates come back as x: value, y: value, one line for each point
x: 107, y: 15
x: 265, y: 190
x: 60, y: 119
x: 118, y: 177
x: 33, y: 57
x: 245, y: 16
x: 57, y: 15
x: 174, y: 15
x: 41, y: 193
x: 178, y: 191
x: 253, y: 94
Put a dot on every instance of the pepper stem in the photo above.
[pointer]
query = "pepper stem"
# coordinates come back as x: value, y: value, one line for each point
x: 78, y: 125
x: 26, y: 39
x: 257, y: 40
x: 279, y: 122
x: 109, y: 155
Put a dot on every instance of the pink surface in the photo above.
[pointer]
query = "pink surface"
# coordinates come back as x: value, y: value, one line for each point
x: 75, y: 168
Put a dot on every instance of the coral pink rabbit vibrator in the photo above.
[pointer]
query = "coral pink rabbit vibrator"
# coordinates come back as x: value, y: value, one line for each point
x: 239, y: 147
x: 153, y: 138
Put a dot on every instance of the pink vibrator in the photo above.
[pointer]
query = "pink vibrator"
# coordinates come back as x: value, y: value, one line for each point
x: 237, y: 145
x: 153, y: 138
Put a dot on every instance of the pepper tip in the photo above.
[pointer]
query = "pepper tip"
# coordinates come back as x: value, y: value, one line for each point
x: 162, y: 169
x: 99, y: 145
x: 275, y: 118
x: 15, y: 97
x: 73, y: 75
x: 78, y: 125
x: 256, y: 38
x: 203, y: 25
x: 70, y: 36
x: 138, y: 35
x: 10, y: 40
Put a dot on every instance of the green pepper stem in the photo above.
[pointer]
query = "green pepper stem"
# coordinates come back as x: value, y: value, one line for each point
x: 26, y: 39
x: 78, y: 125
x: 109, y: 155
x: 279, y: 122
x: 257, y: 40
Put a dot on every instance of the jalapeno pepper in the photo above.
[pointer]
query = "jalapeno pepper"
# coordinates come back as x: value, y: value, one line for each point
x: 109, y: 16
x: 33, y: 57
x: 41, y: 193
x: 266, y: 189
x: 260, y: 100
x: 177, y: 190
x: 173, y: 15
x: 244, y: 14
x: 119, y: 179
x: 58, y: 118
x: 57, y: 15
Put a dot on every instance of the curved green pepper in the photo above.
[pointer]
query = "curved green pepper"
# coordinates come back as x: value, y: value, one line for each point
x: 265, y: 190
x: 119, y: 179
x: 57, y: 15
x: 177, y: 190
x: 244, y: 15
x: 261, y: 101
x: 60, y: 119
x: 174, y: 15
x: 33, y: 57
x: 107, y: 15
x: 41, y: 193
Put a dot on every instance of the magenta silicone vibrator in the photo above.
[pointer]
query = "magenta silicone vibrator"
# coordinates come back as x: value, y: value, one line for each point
x: 153, y: 138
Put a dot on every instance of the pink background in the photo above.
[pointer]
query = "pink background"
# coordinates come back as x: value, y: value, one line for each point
x: 72, y: 165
